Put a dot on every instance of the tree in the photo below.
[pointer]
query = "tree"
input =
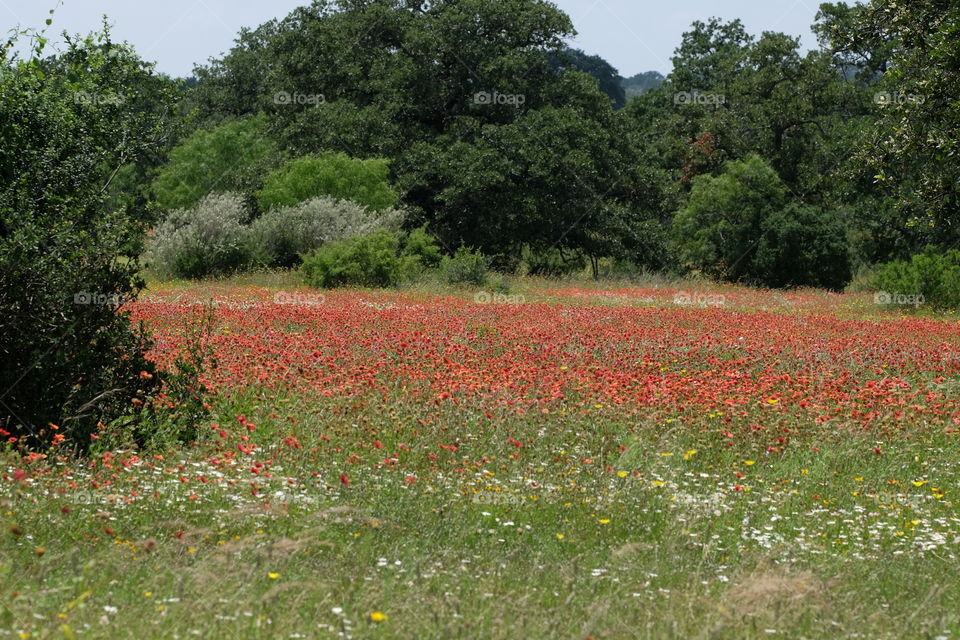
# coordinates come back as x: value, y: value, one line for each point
x: 803, y: 245
x: 641, y: 83
x: 67, y: 261
x: 916, y: 153
x: 740, y: 226
x: 720, y: 228
x: 610, y: 81
x: 332, y: 174
x: 229, y: 157
x: 487, y: 142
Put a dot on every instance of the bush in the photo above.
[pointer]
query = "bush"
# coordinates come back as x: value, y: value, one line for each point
x: 717, y: 232
x: 467, y: 266
x: 231, y: 157
x: 209, y: 239
x: 380, y: 259
x: 71, y: 356
x: 423, y: 248
x: 334, y: 174
x: 281, y: 236
x: 932, y: 274
x: 803, y: 246
x: 738, y: 226
x: 366, y: 261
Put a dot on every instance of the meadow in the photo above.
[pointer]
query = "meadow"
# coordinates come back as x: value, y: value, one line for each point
x: 556, y: 460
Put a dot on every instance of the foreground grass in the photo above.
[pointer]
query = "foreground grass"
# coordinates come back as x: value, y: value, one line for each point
x: 685, y: 537
x: 393, y: 514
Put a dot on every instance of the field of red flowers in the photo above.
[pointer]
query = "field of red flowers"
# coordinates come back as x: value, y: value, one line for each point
x: 549, y: 462
x: 791, y: 363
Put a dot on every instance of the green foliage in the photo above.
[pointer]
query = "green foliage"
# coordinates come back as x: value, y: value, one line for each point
x: 552, y: 262
x: 915, y: 148
x: 379, y: 259
x: 803, y: 246
x: 229, y: 157
x: 70, y: 354
x: 466, y: 266
x: 423, y: 247
x: 333, y: 174
x: 280, y: 236
x: 552, y: 164
x: 608, y: 78
x: 738, y: 226
x: 719, y: 229
x: 366, y: 261
x: 552, y: 177
x: 207, y: 240
x: 933, y: 274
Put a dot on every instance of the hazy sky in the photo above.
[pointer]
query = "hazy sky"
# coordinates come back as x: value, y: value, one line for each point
x: 633, y: 35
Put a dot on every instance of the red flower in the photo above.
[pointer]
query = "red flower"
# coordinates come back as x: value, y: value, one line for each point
x: 344, y: 479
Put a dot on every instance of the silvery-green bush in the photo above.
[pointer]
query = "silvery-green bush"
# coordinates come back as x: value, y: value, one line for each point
x: 207, y: 240
x: 280, y: 236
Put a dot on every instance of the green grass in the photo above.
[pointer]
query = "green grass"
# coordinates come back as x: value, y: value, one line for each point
x: 666, y: 548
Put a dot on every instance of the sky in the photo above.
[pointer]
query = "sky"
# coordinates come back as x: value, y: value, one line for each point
x: 633, y: 35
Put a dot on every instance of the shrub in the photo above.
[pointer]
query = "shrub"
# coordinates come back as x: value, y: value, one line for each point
x: 423, y: 248
x: 803, y: 246
x: 333, y: 174
x: 467, y: 266
x: 718, y: 230
x: 209, y: 239
x: 70, y: 354
x: 380, y: 259
x: 230, y: 157
x: 738, y: 226
x: 932, y: 274
x: 367, y: 261
x: 281, y: 236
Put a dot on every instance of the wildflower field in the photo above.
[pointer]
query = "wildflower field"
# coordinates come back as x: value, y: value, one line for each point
x: 559, y: 462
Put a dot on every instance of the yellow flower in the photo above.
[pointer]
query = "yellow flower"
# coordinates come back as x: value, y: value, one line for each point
x: 622, y: 474
x: 749, y: 462
x: 689, y: 454
x: 604, y: 521
x: 560, y: 536
x: 273, y: 576
x: 920, y: 483
x: 376, y: 616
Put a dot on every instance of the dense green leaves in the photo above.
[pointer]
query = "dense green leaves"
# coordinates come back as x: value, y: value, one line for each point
x: 229, y: 157
x: 332, y: 174
x: 68, y: 259
x: 740, y: 226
